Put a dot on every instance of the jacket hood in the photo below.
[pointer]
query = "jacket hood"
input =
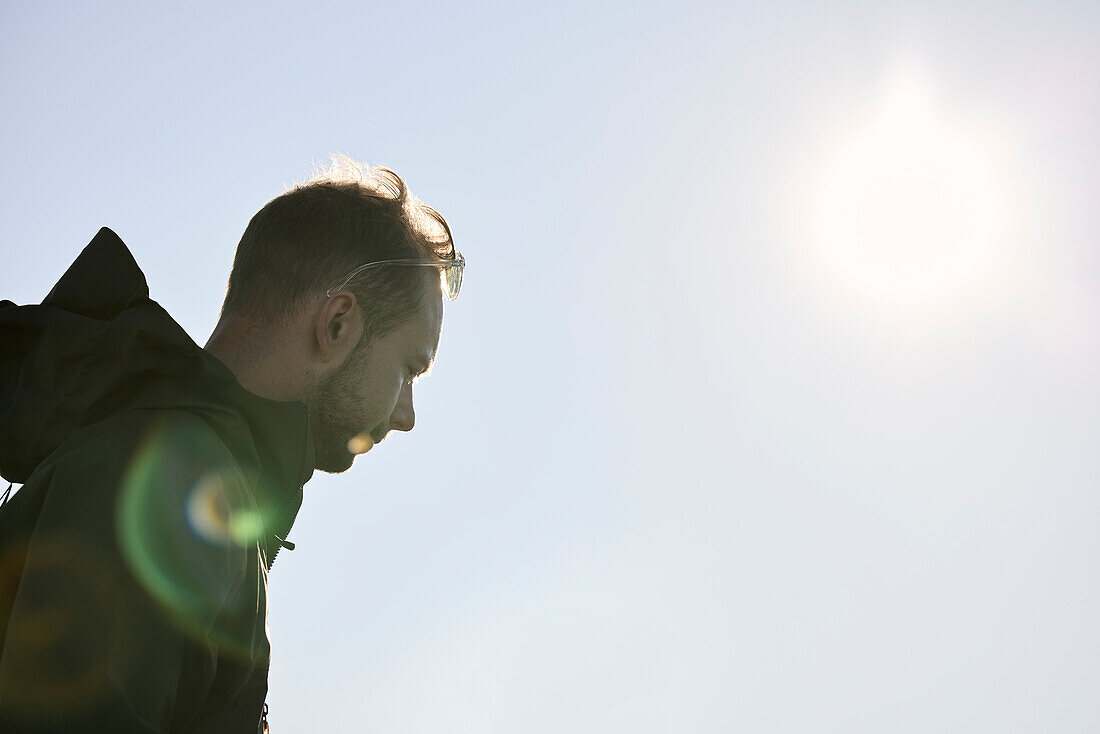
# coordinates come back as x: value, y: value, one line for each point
x: 98, y: 345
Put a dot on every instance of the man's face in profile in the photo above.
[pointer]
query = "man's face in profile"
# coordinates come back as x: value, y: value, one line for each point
x: 355, y: 406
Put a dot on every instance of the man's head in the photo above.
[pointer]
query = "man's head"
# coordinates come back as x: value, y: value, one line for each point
x: 350, y: 355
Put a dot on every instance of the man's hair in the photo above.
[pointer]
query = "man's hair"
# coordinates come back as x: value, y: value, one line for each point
x: 305, y: 240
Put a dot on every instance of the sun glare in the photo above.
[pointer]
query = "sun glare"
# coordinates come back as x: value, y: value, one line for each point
x: 908, y: 211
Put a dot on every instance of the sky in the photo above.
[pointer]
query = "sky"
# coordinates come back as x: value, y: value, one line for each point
x: 769, y: 403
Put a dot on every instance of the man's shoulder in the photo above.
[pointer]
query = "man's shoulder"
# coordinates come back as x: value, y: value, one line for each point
x: 147, y: 507
x: 139, y: 438
x: 144, y: 461
x: 158, y: 485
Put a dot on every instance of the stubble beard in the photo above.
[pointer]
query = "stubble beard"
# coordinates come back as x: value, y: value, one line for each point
x: 338, y: 419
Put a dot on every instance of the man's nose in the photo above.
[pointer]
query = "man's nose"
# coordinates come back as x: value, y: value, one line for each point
x: 404, y: 417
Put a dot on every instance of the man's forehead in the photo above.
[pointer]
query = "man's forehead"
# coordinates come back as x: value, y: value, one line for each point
x: 429, y: 327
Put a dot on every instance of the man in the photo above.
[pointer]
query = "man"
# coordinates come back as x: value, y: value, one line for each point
x: 161, y: 479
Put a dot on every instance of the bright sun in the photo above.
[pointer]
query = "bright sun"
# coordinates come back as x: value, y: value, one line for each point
x: 909, y: 211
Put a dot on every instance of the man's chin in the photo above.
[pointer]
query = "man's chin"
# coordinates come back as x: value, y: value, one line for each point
x: 340, y: 458
x: 335, y: 464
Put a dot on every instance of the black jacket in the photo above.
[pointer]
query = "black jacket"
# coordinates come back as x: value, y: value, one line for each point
x: 156, y: 494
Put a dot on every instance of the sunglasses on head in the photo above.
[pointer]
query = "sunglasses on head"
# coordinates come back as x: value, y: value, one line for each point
x: 450, y: 272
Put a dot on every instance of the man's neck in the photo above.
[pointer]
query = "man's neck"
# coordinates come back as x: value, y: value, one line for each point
x: 255, y: 360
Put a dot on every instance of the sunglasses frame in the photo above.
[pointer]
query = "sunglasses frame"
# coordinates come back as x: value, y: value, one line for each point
x: 450, y: 269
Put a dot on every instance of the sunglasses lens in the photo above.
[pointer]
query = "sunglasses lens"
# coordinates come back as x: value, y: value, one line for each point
x: 452, y: 277
x: 454, y: 280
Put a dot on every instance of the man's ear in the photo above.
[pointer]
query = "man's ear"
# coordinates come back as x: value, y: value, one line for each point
x: 339, y: 327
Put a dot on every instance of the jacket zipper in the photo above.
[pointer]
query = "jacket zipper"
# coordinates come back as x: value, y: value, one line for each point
x: 282, y: 542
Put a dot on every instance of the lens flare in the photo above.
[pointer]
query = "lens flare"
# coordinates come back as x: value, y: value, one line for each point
x: 215, y: 519
x: 208, y: 511
x: 188, y: 526
x: 360, y: 444
x: 245, y: 526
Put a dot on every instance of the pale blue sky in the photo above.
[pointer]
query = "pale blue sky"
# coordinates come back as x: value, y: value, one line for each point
x: 675, y: 470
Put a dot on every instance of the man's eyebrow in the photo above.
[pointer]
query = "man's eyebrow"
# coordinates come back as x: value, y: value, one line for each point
x: 427, y: 362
